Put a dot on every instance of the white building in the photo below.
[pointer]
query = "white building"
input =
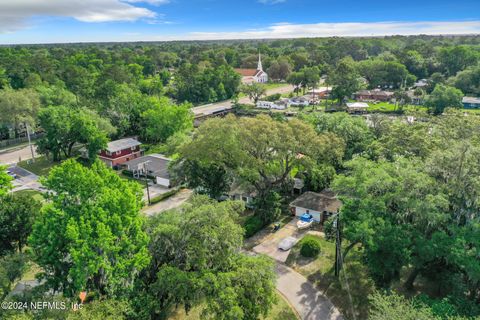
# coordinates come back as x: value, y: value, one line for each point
x: 253, y: 75
x: 319, y: 205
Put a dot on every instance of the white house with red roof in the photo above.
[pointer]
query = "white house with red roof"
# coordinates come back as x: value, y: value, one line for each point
x: 253, y: 75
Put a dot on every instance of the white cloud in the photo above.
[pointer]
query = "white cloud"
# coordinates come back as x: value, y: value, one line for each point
x: 342, y: 29
x: 152, y: 2
x: 14, y: 15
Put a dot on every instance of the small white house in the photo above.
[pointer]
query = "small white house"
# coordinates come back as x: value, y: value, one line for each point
x: 319, y: 205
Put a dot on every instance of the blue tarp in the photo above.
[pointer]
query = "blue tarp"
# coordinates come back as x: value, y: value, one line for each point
x: 306, y: 217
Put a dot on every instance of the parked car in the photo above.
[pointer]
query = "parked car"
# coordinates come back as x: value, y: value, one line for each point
x: 12, y: 174
x: 287, y: 243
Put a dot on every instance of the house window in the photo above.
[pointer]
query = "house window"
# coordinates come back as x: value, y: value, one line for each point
x: 133, y: 148
x: 244, y: 198
x: 118, y: 153
x: 109, y: 153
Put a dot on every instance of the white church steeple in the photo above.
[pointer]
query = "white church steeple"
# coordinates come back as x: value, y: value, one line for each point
x: 259, y: 66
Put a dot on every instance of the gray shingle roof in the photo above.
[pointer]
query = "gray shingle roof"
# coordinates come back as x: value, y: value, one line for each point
x: 157, y: 165
x: 323, y: 201
x: 122, y: 144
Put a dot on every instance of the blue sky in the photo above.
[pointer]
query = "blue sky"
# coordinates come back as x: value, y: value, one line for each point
x: 47, y: 21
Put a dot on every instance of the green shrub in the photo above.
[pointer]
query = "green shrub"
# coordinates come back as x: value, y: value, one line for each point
x: 273, y: 97
x: 253, y: 224
x: 127, y: 173
x: 164, y: 196
x: 310, y: 246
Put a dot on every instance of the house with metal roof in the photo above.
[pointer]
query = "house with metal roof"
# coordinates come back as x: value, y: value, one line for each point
x: 471, y: 103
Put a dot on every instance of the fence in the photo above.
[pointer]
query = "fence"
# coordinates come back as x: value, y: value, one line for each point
x: 15, y: 141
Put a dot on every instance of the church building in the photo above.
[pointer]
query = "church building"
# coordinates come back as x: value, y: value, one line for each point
x: 253, y: 75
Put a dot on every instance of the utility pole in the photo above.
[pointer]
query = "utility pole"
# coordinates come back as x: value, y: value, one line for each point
x: 146, y: 180
x: 30, y: 143
x: 338, y: 246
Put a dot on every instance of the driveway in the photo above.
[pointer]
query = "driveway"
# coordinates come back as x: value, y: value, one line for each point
x: 309, y: 303
x: 269, y: 245
x: 154, y: 189
x: 169, y: 203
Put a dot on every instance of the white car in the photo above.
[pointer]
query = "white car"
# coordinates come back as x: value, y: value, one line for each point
x: 287, y: 243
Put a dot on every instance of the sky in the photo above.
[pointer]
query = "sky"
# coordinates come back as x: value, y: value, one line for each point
x: 55, y: 21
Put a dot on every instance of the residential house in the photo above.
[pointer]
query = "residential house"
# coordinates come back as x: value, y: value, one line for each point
x: 422, y: 83
x: 120, y: 151
x: 471, y: 102
x: 374, y: 95
x: 357, y: 107
x: 244, y: 193
x: 253, y: 75
x: 320, y: 205
x: 155, y: 165
x: 320, y: 93
x: 415, y: 100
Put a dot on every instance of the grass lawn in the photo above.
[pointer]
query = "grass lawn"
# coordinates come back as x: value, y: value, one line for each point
x: 386, y: 107
x: 349, y: 292
x: 280, y: 311
x: 274, y: 85
x: 473, y: 111
x: 40, y: 167
x: 33, y: 193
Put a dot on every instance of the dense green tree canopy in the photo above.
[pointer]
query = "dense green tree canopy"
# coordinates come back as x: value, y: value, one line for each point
x: 17, y: 215
x: 64, y: 127
x: 5, y: 181
x: 196, y: 259
x: 345, y: 79
x: 163, y: 119
x: 89, y: 236
x: 261, y: 151
x: 444, y: 97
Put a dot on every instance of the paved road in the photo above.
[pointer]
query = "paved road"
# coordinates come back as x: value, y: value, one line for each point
x: 15, y: 154
x: 309, y: 303
x: 209, y: 108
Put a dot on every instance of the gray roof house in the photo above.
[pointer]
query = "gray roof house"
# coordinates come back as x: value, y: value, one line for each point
x: 319, y: 204
x: 156, y: 165
x: 471, y: 102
